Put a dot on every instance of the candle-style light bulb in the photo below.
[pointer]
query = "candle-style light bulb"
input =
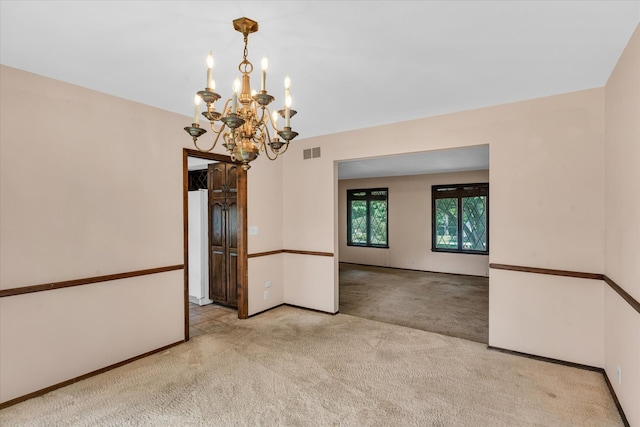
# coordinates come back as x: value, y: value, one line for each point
x: 287, y: 85
x: 287, y: 111
x: 263, y: 81
x: 210, y: 82
x: 274, y: 119
x: 196, y: 115
x: 234, y: 99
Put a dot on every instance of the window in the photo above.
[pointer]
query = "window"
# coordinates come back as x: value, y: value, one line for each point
x: 460, y: 218
x: 367, y: 220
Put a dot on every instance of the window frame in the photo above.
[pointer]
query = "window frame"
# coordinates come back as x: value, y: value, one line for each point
x: 369, y: 197
x: 459, y: 191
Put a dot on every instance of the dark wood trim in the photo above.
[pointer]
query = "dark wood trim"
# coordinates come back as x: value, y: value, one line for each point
x: 418, y: 271
x: 185, y: 233
x: 572, y: 365
x: 625, y: 296
x: 86, y: 281
x: 267, y: 253
x: 84, y: 377
x: 242, y: 234
x: 564, y: 273
x: 625, y: 421
x: 596, y: 276
x: 480, y: 189
x: 289, y: 251
x: 368, y: 198
x: 546, y: 359
x: 294, y: 306
x: 243, y: 272
x: 205, y: 155
x: 312, y: 309
x: 293, y: 251
x: 268, y: 309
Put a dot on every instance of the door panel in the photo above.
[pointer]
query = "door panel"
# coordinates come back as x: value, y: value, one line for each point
x: 217, y: 180
x: 217, y: 224
x: 232, y: 182
x: 232, y: 225
x: 217, y: 274
x: 232, y: 288
x: 223, y: 237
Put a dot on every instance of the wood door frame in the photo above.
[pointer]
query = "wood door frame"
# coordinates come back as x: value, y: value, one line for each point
x: 243, y: 271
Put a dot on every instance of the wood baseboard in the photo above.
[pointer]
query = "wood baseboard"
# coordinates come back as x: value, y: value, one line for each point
x: 573, y: 365
x: 84, y: 377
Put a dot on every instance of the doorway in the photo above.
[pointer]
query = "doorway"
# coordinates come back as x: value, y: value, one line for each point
x: 222, y: 250
x: 238, y: 281
x: 407, y: 282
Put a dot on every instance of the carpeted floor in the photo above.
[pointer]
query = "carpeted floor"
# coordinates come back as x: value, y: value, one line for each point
x: 293, y: 367
x: 448, y: 304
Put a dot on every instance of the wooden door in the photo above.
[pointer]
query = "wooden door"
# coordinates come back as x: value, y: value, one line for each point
x: 223, y: 234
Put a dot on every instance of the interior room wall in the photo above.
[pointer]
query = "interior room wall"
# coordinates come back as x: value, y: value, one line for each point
x: 265, y: 220
x: 546, y: 190
x: 622, y: 226
x: 91, y: 185
x: 409, y: 207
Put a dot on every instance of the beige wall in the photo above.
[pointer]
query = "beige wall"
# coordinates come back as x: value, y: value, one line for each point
x: 546, y: 208
x: 409, y: 225
x: 264, y: 207
x: 91, y: 185
x: 88, y: 188
x: 622, y: 226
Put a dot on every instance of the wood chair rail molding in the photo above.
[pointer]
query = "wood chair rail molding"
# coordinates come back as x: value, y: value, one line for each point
x: 566, y: 273
x: 289, y: 251
x: 86, y: 281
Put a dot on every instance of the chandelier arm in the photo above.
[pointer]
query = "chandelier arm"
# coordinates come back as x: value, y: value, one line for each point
x: 214, y: 129
x: 266, y: 152
x: 271, y: 120
x: 286, y: 146
x: 262, y: 120
x: 215, y: 141
x: 267, y: 149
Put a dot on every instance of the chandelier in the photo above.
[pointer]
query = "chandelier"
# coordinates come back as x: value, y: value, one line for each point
x: 245, y: 120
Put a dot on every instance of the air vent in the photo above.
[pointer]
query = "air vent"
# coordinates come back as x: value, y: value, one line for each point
x: 311, y: 153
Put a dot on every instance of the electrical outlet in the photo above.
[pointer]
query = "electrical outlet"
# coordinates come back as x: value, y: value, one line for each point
x: 266, y: 295
x: 619, y: 371
x: 267, y: 284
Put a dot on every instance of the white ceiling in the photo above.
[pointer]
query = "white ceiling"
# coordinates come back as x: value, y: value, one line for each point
x: 440, y: 161
x: 353, y: 64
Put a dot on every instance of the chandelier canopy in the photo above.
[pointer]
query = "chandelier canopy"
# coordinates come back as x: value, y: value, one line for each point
x: 245, y: 128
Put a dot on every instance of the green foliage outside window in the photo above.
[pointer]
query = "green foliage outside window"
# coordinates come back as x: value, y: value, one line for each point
x: 467, y: 233
x: 367, y: 219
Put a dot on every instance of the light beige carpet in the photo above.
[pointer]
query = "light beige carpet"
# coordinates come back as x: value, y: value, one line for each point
x: 448, y: 304
x: 292, y: 367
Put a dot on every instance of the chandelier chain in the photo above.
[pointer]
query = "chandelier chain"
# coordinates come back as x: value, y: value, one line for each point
x: 245, y: 67
x: 244, y: 128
